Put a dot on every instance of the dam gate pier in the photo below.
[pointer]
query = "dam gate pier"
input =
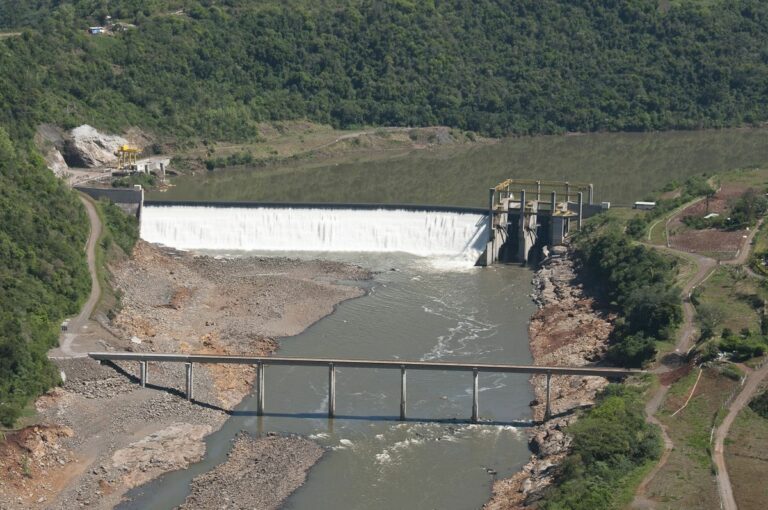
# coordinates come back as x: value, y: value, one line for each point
x: 526, y: 215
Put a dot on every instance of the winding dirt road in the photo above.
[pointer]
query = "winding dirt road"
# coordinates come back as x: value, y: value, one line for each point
x: 71, y: 342
x: 723, y: 481
x: 705, y: 266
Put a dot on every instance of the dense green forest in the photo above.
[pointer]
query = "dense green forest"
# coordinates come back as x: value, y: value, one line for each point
x: 199, y: 68
x: 43, y: 274
x: 637, y: 282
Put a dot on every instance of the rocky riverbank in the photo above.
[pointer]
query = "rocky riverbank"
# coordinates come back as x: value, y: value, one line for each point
x: 101, y: 433
x: 259, y: 473
x: 568, y: 329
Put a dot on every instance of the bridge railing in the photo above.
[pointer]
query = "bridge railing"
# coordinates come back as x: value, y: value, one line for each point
x: 332, y: 363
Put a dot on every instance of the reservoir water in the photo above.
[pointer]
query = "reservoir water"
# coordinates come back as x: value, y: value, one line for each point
x: 429, y: 307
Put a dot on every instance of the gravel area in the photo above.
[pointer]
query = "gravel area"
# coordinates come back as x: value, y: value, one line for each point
x: 259, y: 473
x: 115, y: 435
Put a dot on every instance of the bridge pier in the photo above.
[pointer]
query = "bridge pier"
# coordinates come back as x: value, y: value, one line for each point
x: 331, y: 390
x: 475, y: 404
x: 259, y: 389
x: 143, y: 373
x: 402, y: 393
x: 189, y: 380
x: 260, y: 363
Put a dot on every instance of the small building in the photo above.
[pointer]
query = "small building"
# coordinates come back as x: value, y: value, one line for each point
x: 95, y: 30
x: 644, y: 205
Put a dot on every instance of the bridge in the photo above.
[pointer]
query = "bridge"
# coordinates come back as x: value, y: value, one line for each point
x: 403, y: 366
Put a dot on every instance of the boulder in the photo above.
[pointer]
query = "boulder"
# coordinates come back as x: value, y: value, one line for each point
x: 55, y: 162
x: 87, y: 147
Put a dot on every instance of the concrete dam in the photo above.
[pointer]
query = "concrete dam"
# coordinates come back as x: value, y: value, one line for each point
x: 455, y: 233
x: 523, y: 217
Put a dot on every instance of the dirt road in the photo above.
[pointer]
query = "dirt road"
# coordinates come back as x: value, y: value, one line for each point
x: 723, y: 481
x: 70, y: 345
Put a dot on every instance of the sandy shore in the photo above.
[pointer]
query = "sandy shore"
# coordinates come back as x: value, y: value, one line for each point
x: 568, y: 329
x: 102, y: 434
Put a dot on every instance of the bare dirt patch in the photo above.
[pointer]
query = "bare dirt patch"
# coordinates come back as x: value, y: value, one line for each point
x: 712, y: 242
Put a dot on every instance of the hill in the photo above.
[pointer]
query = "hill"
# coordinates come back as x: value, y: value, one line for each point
x: 215, y: 69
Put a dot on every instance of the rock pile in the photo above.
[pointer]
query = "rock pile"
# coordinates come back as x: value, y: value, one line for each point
x: 87, y: 147
x: 568, y: 330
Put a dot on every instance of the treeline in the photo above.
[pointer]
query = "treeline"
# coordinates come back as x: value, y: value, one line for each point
x: 638, y: 282
x: 610, y: 443
x: 196, y: 68
x: 43, y: 273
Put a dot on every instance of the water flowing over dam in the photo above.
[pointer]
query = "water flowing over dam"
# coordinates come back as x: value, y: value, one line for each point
x: 420, y: 232
x: 417, y: 307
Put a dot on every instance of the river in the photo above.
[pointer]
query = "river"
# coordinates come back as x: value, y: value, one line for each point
x: 416, y: 308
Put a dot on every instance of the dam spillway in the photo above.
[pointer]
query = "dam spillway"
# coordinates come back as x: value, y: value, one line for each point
x: 418, y: 231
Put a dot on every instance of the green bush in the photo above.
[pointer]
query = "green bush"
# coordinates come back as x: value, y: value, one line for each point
x: 637, y: 281
x: 610, y: 442
x: 759, y: 404
x: 122, y: 228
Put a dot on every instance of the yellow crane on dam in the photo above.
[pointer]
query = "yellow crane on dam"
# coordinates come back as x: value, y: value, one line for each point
x: 127, y: 157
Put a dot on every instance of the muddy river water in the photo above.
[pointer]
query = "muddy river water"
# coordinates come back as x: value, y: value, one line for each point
x: 415, y: 308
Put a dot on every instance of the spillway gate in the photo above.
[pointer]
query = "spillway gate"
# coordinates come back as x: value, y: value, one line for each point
x: 402, y: 366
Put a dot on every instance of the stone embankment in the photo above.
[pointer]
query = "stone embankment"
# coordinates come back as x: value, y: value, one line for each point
x: 568, y: 329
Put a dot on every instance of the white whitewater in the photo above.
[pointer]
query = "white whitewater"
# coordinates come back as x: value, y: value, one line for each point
x: 422, y: 233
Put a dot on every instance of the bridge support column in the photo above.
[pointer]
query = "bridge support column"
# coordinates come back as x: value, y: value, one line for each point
x: 143, y: 373
x: 331, y: 390
x: 548, y: 408
x: 475, y: 405
x: 403, y: 401
x: 189, y: 380
x: 259, y: 389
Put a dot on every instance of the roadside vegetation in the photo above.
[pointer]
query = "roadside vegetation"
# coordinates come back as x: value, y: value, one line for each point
x: 612, y: 445
x: 746, y: 456
x: 636, y: 281
x: 43, y: 273
x: 730, y: 311
x: 686, y: 480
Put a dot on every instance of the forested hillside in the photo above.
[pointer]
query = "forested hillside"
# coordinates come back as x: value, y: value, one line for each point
x: 43, y: 275
x: 215, y: 69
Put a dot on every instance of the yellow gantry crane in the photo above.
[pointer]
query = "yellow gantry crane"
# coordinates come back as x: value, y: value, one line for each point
x: 126, y: 157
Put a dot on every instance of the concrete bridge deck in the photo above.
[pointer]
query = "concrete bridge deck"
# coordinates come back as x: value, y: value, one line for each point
x: 333, y: 363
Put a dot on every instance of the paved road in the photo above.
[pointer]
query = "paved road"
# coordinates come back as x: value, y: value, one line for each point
x: 723, y: 481
x: 69, y: 346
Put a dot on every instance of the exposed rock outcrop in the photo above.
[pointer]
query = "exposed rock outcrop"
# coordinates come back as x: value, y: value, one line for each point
x: 568, y: 329
x: 87, y: 147
x: 55, y: 161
